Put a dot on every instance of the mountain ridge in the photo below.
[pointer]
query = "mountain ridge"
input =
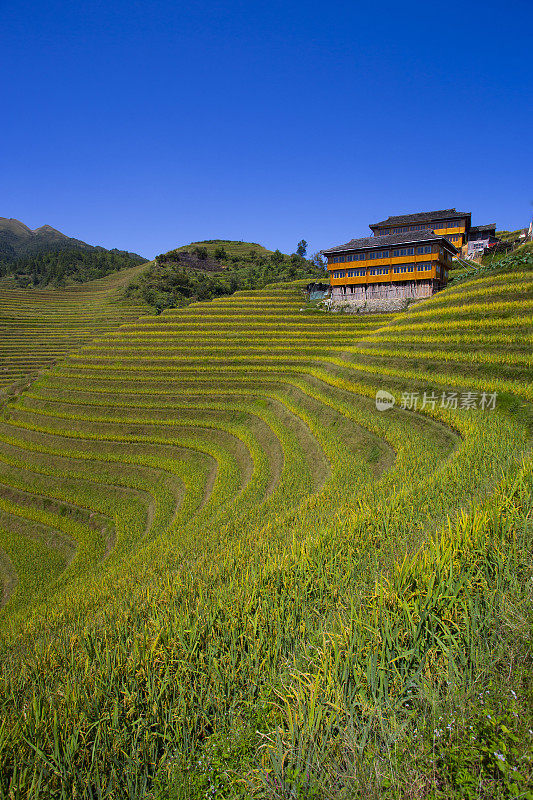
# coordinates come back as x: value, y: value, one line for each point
x: 18, y: 240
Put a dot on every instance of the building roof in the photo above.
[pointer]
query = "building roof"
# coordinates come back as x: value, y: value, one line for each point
x: 375, y: 242
x: 422, y: 216
x: 490, y: 227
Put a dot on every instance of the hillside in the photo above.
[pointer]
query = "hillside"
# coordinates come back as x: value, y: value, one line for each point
x: 510, y: 236
x: 214, y: 268
x: 234, y: 249
x: 227, y: 574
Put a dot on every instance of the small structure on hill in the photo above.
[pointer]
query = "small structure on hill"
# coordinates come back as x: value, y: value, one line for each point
x: 317, y: 291
x: 481, y: 238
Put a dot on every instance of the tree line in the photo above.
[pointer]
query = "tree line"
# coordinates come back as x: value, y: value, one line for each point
x: 62, y: 266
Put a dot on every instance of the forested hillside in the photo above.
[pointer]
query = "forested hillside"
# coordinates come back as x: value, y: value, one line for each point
x: 64, y: 266
x: 17, y: 240
x: 46, y: 256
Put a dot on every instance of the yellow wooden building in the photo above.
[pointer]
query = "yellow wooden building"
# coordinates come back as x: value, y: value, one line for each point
x: 390, y: 266
x: 452, y: 224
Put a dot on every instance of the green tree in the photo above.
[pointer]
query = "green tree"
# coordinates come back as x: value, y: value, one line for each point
x: 318, y: 260
x: 220, y: 253
x: 302, y: 248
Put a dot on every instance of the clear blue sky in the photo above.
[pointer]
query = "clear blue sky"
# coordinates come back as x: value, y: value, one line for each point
x: 146, y: 125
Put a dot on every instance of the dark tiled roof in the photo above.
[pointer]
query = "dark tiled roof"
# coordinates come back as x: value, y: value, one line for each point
x: 375, y: 242
x: 422, y: 216
x: 490, y: 227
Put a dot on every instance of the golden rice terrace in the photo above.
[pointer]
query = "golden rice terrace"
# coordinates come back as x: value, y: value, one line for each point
x: 223, y: 566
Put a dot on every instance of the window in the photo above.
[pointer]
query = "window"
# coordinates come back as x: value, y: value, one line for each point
x: 424, y: 266
x: 425, y: 249
x: 356, y: 273
x: 339, y: 274
x: 404, y: 268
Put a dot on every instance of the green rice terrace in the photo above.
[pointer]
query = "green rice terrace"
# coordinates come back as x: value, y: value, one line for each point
x: 226, y: 574
x: 40, y: 326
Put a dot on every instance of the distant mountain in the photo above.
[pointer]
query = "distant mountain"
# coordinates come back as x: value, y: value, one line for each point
x: 45, y: 255
x: 19, y: 241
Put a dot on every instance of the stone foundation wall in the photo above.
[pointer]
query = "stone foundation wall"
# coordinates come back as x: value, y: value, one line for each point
x: 380, y: 297
x: 374, y: 306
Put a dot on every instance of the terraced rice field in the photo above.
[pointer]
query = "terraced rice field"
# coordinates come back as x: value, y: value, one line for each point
x: 39, y: 327
x: 209, y: 534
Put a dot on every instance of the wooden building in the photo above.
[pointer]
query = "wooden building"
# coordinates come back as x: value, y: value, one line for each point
x: 452, y: 224
x: 389, y: 266
x: 480, y: 238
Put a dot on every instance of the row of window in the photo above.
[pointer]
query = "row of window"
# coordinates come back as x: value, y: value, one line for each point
x: 359, y: 273
x: 402, y: 251
x: 422, y: 267
x: 433, y: 225
x: 448, y: 223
